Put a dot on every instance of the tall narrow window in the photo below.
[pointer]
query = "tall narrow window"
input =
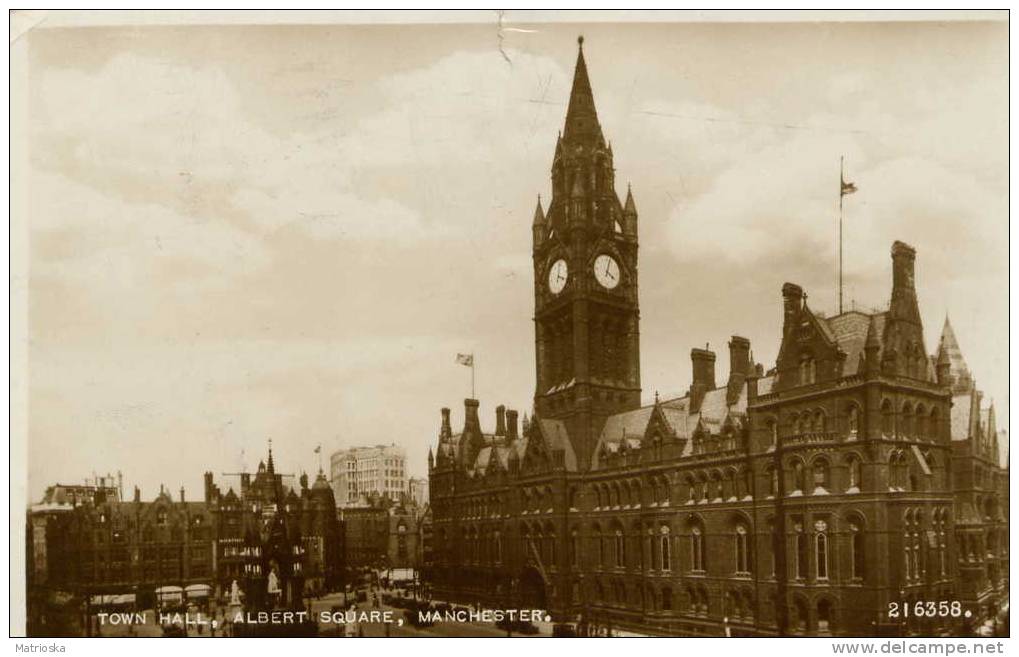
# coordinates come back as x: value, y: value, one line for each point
x: 907, y: 556
x: 887, y: 419
x: 821, y: 548
x: 620, y: 549
x: 742, y: 553
x: 856, y: 549
x: 823, y: 617
x: 853, y: 421
x: 696, y: 548
x: 801, y: 551
x: 666, y: 549
x: 854, y: 473
x: 498, y: 547
x: 820, y: 474
x: 574, y: 548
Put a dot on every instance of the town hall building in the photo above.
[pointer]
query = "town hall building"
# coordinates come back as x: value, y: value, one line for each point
x: 858, y: 477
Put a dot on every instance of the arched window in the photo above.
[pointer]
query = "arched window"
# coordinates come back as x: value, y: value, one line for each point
x: 696, y: 548
x: 498, y: 547
x: 853, y: 473
x: 820, y: 422
x: 666, y: 548
x: 853, y: 421
x: 574, y: 548
x: 773, y: 480
x: 801, y: 551
x: 823, y: 617
x: 887, y: 419
x: 906, y: 423
x: 934, y: 429
x: 921, y: 422
x: 800, y: 615
x: 799, y: 477
x: 821, y: 473
x: 666, y: 492
x: 808, y: 369
x: 600, y: 538
x: 620, y: 549
x: 858, y: 561
x: 742, y: 551
x: 821, y: 548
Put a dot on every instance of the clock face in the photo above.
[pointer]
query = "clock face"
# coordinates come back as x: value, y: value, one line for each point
x: 606, y: 271
x: 557, y: 276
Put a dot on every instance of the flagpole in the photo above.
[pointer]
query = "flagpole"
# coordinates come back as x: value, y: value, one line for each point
x: 472, y: 376
x: 841, y: 179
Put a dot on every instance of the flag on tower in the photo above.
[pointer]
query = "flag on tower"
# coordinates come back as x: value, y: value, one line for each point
x: 465, y: 359
x: 318, y: 449
x: 848, y: 187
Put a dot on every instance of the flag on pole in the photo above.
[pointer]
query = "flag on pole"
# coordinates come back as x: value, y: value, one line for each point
x: 848, y: 187
x: 465, y: 359
x: 318, y: 449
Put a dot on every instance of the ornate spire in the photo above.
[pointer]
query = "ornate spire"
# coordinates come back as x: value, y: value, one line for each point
x: 581, y: 116
x: 630, y: 207
x: 539, y: 214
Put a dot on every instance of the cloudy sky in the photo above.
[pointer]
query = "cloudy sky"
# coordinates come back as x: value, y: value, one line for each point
x: 242, y: 233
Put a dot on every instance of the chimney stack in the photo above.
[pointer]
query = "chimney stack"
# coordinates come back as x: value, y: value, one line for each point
x: 904, y: 304
x: 703, y: 367
x: 137, y: 494
x: 511, y: 425
x: 500, y: 420
x: 182, y: 494
x: 903, y: 265
x: 445, y: 431
x: 792, y: 295
x: 703, y: 362
x: 740, y: 367
x: 471, y: 421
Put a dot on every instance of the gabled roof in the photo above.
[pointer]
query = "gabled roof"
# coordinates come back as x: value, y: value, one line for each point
x: 557, y: 437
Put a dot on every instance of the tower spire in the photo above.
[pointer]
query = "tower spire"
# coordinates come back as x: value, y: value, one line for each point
x: 581, y: 116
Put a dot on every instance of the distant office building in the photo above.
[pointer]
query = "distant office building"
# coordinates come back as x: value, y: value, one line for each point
x: 359, y: 472
x: 418, y: 489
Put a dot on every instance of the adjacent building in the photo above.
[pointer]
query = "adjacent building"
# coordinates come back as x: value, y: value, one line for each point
x: 359, y: 472
x: 417, y: 487
x: 819, y: 496
x: 92, y: 549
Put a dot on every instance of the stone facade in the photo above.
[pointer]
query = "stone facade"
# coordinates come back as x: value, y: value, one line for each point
x: 808, y: 499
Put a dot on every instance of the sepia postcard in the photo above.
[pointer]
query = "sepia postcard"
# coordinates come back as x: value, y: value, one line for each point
x: 510, y: 324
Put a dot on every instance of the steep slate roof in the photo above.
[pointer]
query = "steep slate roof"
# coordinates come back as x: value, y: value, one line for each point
x: 556, y: 437
x: 957, y: 364
x: 676, y: 412
x: 849, y: 330
x: 630, y: 423
x: 962, y: 416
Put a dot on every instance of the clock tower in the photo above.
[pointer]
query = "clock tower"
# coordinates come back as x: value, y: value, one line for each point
x: 586, y: 311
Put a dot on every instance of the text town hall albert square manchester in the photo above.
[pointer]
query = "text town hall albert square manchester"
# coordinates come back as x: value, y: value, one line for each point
x: 857, y: 475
